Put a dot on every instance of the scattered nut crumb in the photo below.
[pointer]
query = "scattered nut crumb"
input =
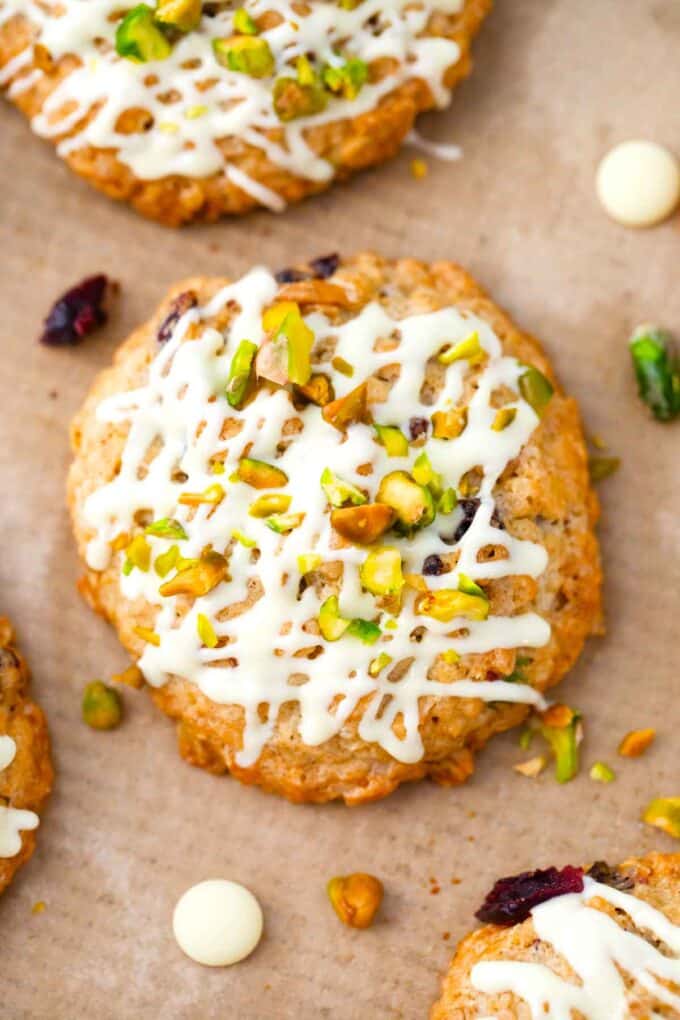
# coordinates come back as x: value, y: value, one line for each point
x: 356, y: 898
x: 419, y: 169
x: 132, y: 676
x: 446, y: 936
x: 38, y: 907
x: 601, y: 773
x: 532, y: 767
x: 636, y: 743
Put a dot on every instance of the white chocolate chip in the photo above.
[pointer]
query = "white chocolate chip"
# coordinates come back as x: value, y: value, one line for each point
x: 217, y: 922
x: 638, y: 183
x: 8, y: 750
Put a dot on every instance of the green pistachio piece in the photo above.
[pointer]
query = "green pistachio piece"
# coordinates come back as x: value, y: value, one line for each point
x: 602, y: 773
x: 467, y: 585
x: 347, y: 80
x: 331, y: 624
x: 380, y: 573
x: 306, y: 562
x: 101, y: 707
x: 377, y: 665
x: 339, y: 492
x: 424, y: 474
x: 469, y: 349
x: 536, y: 389
x: 166, y: 527
x: 365, y: 630
x: 259, y: 474
x: 446, y: 604
x: 247, y: 54
x: 243, y: 23
x: 293, y: 100
x: 449, y: 424
x: 137, y: 554
x: 664, y: 813
x: 283, y: 523
x: 164, y: 563
x: 602, y: 467
x: 183, y: 15
x: 504, y: 418
x: 657, y: 370
x: 393, y: 439
x: 285, y: 319
x: 561, y: 727
x: 448, y: 501
x: 240, y: 372
x: 412, y: 503
x: 272, y: 503
x: 139, y: 38
x: 206, y: 631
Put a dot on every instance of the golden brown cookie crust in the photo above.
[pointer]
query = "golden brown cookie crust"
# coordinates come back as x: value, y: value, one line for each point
x: 349, y: 145
x: 27, y: 781
x: 544, y: 495
x: 656, y: 880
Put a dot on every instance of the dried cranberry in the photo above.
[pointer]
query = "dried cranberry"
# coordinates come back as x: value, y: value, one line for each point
x: 181, y: 304
x: 418, y: 427
x: 604, y: 873
x: 77, y: 312
x: 324, y: 266
x: 512, y: 899
x: 433, y: 565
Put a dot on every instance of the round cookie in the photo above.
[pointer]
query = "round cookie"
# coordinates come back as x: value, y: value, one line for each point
x: 25, y: 767
x: 610, y: 949
x: 352, y: 580
x: 254, y: 106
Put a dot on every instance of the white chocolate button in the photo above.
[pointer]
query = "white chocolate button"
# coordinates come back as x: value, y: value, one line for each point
x: 638, y: 183
x: 217, y: 922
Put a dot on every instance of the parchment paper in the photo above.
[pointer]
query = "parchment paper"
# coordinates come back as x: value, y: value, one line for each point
x: 130, y: 826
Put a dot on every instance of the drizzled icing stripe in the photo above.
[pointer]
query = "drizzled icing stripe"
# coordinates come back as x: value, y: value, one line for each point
x: 599, y: 951
x: 12, y: 821
x: 176, y: 423
x: 231, y: 104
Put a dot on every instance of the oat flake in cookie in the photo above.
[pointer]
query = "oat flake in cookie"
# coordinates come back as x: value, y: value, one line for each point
x: 608, y: 950
x: 190, y: 110
x: 25, y: 768
x: 329, y: 601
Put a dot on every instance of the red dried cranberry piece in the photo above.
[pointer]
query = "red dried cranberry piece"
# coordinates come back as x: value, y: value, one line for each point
x: 512, y: 899
x: 77, y: 312
x: 418, y: 427
x: 181, y: 304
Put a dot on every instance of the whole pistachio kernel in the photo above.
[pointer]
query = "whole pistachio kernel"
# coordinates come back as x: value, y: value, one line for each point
x: 102, y: 708
x: 183, y: 15
x: 664, y: 813
x: 246, y: 54
x: 243, y: 23
x: 356, y: 898
x: 140, y: 38
x: 536, y: 389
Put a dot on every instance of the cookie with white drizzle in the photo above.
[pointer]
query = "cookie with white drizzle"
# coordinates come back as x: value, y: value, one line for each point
x: 595, y: 945
x: 344, y: 522
x: 25, y: 767
x: 191, y: 110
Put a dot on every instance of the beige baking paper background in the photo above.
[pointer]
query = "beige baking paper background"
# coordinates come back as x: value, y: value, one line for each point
x: 130, y: 826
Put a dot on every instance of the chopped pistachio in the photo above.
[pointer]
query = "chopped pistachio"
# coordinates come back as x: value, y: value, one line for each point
x: 602, y: 467
x: 379, y: 663
x: 536, y: 389
x: 260, y: 475
x: 283, y: 523
x: 139, y: 38
x: 198, y: 579
x: 285, y: 319
x: 393, y: 439
x: 657, y: 370
x: 636, y: 743
x: 164, y: 563
x: 331, y: 624
x: 272, y: 503
x: 131, y: 677
x: 561, y: 727
x: 450, y: 657
x: 347, y: 80
x: 342, y: 366
x: 243, y: 23
x: 308, y: 561
x: 213, y: 494
x: 531, y: 768
x: 339, y: 492
x: 196, y: 111
x: 242, y: 539
x: 206, y: 631
x: 469, y: 484
x: 217, y: 467
x: 356, y: 898
x: 247, y: 54
x: 240, y: 372
x: 137, y: 554
x: 446, y: 604
x: 449, y: 424
x: 664, y: 813
x: 318, y: 389
x: 504, y: 418
x: 412, y: 503
x: 166, y: 527
x: 424, y: 474
x: 347, y: 410
x: 447, y: 502
x: 148, y: 635
x: 365, y: 630
x: 102, y: 707
x: 306, y: 75
x: 467, y: 585
x: 380, y: 573
x: 419, y: 169
x: 363, y: 524
x: 469, y: 349
x: 602, y: 773
x: 183, y: 15
x: 525, y: 738
x: 292, y: 99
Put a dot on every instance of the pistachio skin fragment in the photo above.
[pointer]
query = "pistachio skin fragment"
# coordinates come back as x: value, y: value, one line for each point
x: 183, y: 15
x: 365, y: 630
x: 356, y: 898
x: 657, y: 371
x: 139, y: 38
x: 247, y: 54
x: 664, y: 813
x: 636, y: 743
x: 240, y: 372
x: 102, y: 708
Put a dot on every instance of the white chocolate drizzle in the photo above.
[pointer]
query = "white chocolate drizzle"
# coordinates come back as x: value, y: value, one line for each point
x: 178, y: 415
x: 599, y: 951
x: 209, y: 103
x: 12, y: 820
